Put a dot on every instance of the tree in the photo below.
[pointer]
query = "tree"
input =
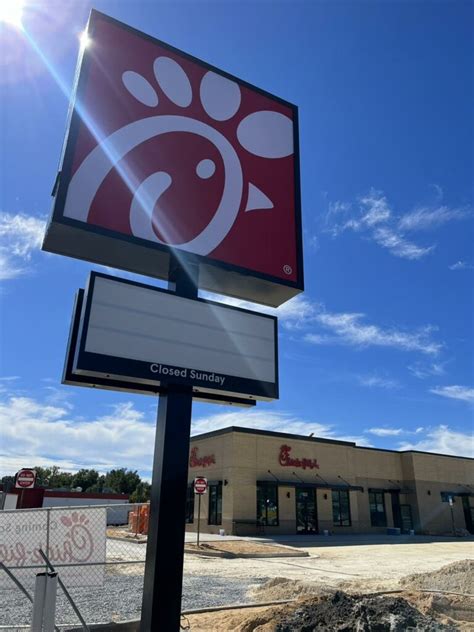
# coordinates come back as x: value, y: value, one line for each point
x: 141, y: 493
x: 85, y: 479
x: 52, y: 477
x: 8, y: 482
x: 122, y: 481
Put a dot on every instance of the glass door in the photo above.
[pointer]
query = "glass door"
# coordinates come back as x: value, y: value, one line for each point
x: 407, y: 521
x: 306, y: 510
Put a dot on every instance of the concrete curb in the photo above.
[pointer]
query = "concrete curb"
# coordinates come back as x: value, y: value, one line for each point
x: 233, y: 556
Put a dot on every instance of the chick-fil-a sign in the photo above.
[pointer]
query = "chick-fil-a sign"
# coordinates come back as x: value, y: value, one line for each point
x: 200, y: 461
x: 166, y: 151
x: 70, y: 539
x: 286, y: 460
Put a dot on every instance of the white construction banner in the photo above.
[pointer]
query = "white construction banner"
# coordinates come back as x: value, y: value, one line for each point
x: 73, y: 539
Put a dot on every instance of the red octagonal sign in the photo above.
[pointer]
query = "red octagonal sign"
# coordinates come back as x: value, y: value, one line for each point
x: 165, y: 152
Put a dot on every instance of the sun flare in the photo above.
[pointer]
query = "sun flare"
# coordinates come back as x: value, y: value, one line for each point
x: 11, y: 12
x: 84, y: 40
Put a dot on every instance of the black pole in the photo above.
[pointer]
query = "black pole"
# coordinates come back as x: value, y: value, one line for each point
x: 199, y: 518
x: 162, y: 590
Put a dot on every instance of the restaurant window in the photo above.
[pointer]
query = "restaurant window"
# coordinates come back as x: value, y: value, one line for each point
x: 341, y: 513
x: 190, y: 503
x: 446, y: 496
x: 267, y: 504
x: 378, y: 517
x: 215, y: 504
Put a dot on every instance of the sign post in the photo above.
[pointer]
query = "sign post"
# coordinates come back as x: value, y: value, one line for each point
x: 161, y: 606
x: 200, y: 488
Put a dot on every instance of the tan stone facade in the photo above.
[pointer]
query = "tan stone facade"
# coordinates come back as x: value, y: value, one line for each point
x: 278, y: 483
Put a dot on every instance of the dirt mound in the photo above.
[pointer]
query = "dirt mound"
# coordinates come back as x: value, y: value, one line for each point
x: 455, y: 577
x: 445, y: 608
x: 345, y: 613
x: 282, y: 588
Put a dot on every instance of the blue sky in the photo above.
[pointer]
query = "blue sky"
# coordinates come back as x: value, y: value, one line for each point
x: 379, y: 348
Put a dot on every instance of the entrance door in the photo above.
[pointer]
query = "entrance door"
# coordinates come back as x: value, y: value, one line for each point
x: 468, y: 514
x: 306, y: 511
x: 397, y: 515
x: 407, y: 521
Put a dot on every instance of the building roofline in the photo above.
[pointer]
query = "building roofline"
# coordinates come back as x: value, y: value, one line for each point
x: 286, y: 435
x: 269, y: 433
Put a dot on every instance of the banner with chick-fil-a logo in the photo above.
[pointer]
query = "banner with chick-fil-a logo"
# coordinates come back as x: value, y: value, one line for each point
x: 73, y: 539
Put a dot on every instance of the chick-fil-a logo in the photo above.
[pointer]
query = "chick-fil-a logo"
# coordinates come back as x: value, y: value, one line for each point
x: 287, y: 461
x: 175, y: 153
x: 201, y: 461
x: 70, y: 539
x: 75, y: 545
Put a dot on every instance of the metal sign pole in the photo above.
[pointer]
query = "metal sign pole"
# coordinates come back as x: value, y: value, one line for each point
x: 162, y: 590
x: 199, y: 518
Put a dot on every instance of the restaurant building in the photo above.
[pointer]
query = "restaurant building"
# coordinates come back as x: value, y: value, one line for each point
x: 278, y: 483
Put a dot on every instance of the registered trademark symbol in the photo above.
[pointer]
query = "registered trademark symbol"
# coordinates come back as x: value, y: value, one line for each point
x: 287, y: 269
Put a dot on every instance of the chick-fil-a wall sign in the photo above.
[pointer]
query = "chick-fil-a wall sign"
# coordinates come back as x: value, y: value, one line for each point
x: 166, y: 152
x: 286, y: 460
x: 196, y: 460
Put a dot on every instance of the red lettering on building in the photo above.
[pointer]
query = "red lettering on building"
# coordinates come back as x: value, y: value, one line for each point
x: 287, y: 461
x: 200, y: 461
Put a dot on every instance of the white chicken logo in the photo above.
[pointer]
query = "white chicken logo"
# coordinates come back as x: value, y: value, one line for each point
x: 266, y: 134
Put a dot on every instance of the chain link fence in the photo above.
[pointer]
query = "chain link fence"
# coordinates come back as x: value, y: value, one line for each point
x: 98, y: 551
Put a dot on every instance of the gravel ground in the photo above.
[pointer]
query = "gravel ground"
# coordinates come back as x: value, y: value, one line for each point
x: 120, y: 599
x: 373, y: 565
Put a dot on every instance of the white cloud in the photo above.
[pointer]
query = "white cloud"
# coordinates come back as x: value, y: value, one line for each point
x: 375, y: 208
x: 398, y: 245
x: 37, y: 433
x: 422, y: 370
x: 464, y: 393
x: 385, y: 432
x: 300, y: 313
x: 20, y: 236
x: 444, y: 441
x: 429, y: 218
x: 274, y: 421
x: 377, y: 221
x: 376, y: 381
x: 312, y: 242
x: 348, y: 328
x: 338, y: 208
x: 461, y: 265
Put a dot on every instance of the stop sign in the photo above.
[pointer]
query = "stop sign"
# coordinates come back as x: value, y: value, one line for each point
x: 25, y: 479
x: 200, y: 485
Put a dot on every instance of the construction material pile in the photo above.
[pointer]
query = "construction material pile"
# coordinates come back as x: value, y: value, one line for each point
x: 456, y: 577
x: 365, y: 613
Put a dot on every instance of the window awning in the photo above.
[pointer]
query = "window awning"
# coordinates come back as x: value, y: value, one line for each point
x: 387, y: 490
x: 293, y: 483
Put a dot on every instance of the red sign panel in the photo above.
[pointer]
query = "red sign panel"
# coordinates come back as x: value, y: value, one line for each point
x: 200, y: 485
x: 25, y: 479
x: 165, y: 152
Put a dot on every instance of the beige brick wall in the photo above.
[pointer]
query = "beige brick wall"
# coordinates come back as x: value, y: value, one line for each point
x: 243, y: 458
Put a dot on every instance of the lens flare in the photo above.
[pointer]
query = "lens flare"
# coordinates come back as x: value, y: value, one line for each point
x: 11, y: 12
x: 84, y: 40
